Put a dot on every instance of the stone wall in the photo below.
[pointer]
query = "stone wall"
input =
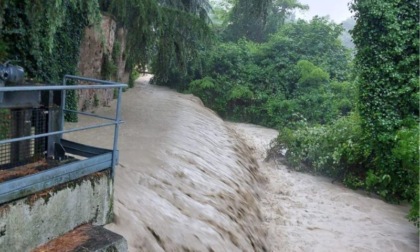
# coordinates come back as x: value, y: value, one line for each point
x: 97, y: 48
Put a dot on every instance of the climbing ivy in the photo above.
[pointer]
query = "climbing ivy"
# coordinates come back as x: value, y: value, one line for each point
x: 45, y: 36
x: 387, y: 42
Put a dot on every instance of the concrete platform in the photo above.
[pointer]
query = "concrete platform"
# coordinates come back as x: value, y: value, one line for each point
x: 86, y: 238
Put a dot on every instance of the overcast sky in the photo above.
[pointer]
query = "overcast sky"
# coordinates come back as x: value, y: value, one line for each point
x: 337, y: 10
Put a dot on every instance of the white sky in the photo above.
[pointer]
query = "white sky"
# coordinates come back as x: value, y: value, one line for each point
x: 337, y: 10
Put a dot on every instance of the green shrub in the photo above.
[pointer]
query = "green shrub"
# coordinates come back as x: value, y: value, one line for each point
x: 399, y: 181
x: 413, y: 215
x: 339, y: 150
x: 311, y: 76
x: 134, y: 75
x: 334, y: 150
x: 210, y: 93
x: 109, y: 69
x: 204, y: 88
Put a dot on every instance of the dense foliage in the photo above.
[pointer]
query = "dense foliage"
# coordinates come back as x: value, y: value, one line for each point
x: 45, y: 38
x: 387, y: 58
x: 379, y: 149
x: 256, y: 20
x: 272, y: 83
x: 334, y: 149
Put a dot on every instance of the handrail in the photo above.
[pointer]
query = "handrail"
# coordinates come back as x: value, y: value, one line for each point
x: 116, y: 121
x: 92, y: 80
x: 58, y: 87
x: 89, y: 114
x: 13, y: 189
x: 12, y: 140
x: 105, y: 84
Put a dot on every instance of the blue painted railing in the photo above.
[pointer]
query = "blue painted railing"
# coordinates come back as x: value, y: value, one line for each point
x: 98, y: 159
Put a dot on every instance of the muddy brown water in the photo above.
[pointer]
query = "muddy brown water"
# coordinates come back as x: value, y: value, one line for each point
x: 309, y: 213
x: 188, y: 181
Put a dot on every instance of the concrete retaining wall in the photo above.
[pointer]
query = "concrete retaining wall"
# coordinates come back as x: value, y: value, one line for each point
x: 32, y: 221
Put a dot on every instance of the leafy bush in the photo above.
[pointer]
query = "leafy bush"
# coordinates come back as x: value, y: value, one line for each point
x: 134, y: 74
x: 311, y: 76
x: 334, y: 150
x: 400, y: 181
x: 204, y: 88
x: 413, y: 215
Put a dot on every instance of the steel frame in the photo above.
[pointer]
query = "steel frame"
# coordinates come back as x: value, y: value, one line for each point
x: 97, y: 159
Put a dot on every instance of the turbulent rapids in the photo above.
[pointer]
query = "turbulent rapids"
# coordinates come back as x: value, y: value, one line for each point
x: 185, y: 181
x: 188, y: 181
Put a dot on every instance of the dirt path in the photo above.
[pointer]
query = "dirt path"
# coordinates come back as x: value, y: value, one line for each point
x: 188, y: 181
x: 307, y: 213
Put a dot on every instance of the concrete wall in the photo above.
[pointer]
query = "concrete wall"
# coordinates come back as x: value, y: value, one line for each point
x: 35, y: 220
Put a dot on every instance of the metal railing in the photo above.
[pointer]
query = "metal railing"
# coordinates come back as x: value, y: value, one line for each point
x: 98, y: 159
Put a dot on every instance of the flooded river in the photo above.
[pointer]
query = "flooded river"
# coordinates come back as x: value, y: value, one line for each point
x: 309, y: 213
x: 188, y: 181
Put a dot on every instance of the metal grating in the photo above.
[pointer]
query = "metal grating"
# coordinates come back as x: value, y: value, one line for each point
x: 16, y: 123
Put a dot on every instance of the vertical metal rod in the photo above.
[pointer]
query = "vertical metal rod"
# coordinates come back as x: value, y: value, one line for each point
x: 50, y: 125
x: 116, y: 131
x: 63, y: 104
x: 1, y: 93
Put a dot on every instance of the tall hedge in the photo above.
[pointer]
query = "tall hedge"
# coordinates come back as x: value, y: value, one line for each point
x: 386, y: 36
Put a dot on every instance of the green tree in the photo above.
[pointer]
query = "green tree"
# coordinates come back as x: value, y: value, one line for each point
x: 274, y: 83
x: 279, y: 11
x: 387, y: 57
x: 317, y: 41
x: 247, y: 20
x: 164, y: 34
x: 255, y: 20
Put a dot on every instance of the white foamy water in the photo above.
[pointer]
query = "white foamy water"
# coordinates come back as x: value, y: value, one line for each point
x: 185, y: 182
x: 188, y: 181
x: 308, y: 213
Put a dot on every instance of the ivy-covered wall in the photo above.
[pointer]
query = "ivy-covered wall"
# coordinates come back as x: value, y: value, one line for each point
x: 44, y: 37
x: 57, y: 37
